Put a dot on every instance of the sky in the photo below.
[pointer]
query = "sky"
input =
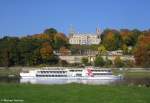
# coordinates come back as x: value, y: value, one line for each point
x: 27, y: 17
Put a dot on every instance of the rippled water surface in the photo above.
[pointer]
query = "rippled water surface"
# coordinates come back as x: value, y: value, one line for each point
x: 129, y: 81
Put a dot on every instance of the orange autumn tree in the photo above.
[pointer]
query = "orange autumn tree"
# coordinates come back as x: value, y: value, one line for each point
x: 46, y: 51
x: 126, y: 37
x: 142, y: 52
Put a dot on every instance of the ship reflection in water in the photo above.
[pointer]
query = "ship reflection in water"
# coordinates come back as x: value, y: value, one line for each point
x: 52, y: 81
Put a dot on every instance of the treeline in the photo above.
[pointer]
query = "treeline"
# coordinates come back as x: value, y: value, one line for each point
x: 32, y: 50
x: 112, y: 40
x: 120, y: 39
x: 38, y: 49
x: 132, y: 42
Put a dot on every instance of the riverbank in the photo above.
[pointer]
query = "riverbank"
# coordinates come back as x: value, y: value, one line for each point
x: 74, y: 93
x: 10, y: 72
x: 14, y: 72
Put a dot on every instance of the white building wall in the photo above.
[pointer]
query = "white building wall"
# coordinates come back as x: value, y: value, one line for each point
x: 87, y: 39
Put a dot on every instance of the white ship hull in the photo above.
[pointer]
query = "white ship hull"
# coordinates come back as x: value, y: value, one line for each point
x: 68, y: 76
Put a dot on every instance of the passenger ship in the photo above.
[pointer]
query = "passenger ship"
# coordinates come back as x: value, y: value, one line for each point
x: 88, y: 73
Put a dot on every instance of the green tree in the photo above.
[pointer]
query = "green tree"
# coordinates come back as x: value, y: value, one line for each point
x: 99, y: 61
x: 125, y: 49
x: 85, y: 60
x: 130, y: 37
x: 108, y: 62
x: 102, y: 50
x: 50, y: 31
x: 60, y: 40
x: 111, y: 39
x: 8, y: 51
x: 26, y: 49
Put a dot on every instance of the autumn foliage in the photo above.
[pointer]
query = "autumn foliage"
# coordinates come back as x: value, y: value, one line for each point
x: 46, y: 51
x: 32, y: 50
x: 142, y: 52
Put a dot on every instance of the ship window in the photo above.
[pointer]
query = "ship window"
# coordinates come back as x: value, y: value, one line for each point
x: 79, y: 75
x: 71, y: 70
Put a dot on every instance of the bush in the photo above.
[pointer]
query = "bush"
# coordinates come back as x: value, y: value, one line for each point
x: 118, y: 62
x: 99, y: 61
x: 84, y: 60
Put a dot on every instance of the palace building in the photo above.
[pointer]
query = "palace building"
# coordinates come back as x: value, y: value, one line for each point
x: 85, y: 38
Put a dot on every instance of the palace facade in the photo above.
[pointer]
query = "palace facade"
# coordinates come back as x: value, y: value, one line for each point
x: 85, y: 38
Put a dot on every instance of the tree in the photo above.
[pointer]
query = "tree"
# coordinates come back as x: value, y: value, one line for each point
x: 135, y: 35
x: 46, y: 51
x: 125, y: 49
x: 60, y: 40
x: 102, y: 50
x: 75, y: 49
x: 111, y: 39
x: 8, y: 51
x: 99, y: 61
x: 127, y: 37
x: 85, y: 60
x: 26, y: 50
x: 108, y: 62
x: 118, y: 62
x: 142, y: 51
x: 50, y: 31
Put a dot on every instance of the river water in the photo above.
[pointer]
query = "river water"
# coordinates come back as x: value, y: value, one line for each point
x: 64, y: 81
x: 126, y: 81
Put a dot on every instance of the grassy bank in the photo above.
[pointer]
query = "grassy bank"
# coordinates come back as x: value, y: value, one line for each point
x: 74, y: 93
x: 137, y: 74
x: 133, y: 74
